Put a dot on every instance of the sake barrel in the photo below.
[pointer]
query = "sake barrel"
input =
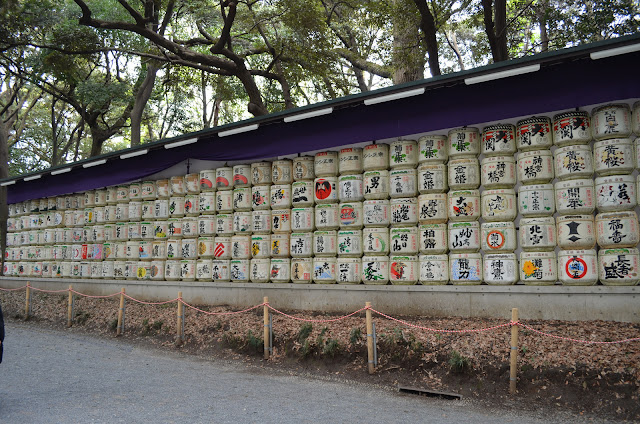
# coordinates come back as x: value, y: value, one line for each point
x: 260, y: 270
x: 224, y: 178
x: 176, y: 207
x: 280, y: 270
x: 404, y: 240
x: 189, y: 248
x: 191, y: 205
x: 302, y: 219
x: 403, y: 183
x: 615, y: 193
x: 464, y: 236
x: 465, y: 268
x: 434, y: 239
x: 207, y: 180
x: 157, y: 270
x: 375, y: 213
x: 161, y: 209
x: 404, y: 211
x: 177, y: 185
x: 261, y: 221
x: 618, y: 267
x: 534, y: 133
x: 432, y: 208
x: 303, y: 168
x: 326, y: 164
x: 260, y: 246
x: 573, y: 162
x: 403, y: 270
x: 576, y: 232
x: 350, y: 161
x: 349, y: 270
x: 324, y: 270
x: 351, y: 215
x: 282, y: 171
x: 242, y: 198
x: 463, y: 142
x: 617, y: 229
x: 224, y: 224
x: 301, y: 270
x: 434, y: 269
x: 578, y: 267
x: 500, y: 269
x: 301, y: 245
x: 280, y: 196
x: 148, y: 190
x: 575, y: 196
x: 375, y: 157
x: 571, y: 128
x: 463, y: 205
x: 281, y: 220
x: 174, y: 227
x: 206, y: 247
x: 498, y: 140
x: 188, y: 270
x: 498, y: 237
x: 224, y: 201
x: 611, y: 121
x: 327, y: 216
x: 241, y: 176
x: 536, y: 200
x: 498, y: 172
x: 206, y: 225
x: 614, y: 156
x: 464, y: 173
x: 172, y: 270
x: 189, y: 227
x: 432, y: 178
x: 302, y: 194
x: 349, y: 243
x: 221, y: 270
x: 325, y: 190
x: 325, y: 243
x: 242, y: 222
x: 261, y: 173
x: 222, y: 247
x: 432, y: 149
x: 538, y: 268
x: 350, y: 188
x: 261, y: 197
x: 163, y: 188
x: 174, y: 249
x: 375, y: 241
x: 241, y: 246
x: 147, y: 207
x: 403, y: 154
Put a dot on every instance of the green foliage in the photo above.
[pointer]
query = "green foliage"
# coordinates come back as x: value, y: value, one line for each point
x: 255, y: 343
x: 81, y: 317
x: 459, y: 363
x: 304, y: 332
x: 355, y: 336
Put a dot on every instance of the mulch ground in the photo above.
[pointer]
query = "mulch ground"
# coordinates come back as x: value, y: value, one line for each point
x: 595, y: 380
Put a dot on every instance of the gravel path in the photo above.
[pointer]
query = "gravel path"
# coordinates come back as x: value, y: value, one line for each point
x: 51, y: 376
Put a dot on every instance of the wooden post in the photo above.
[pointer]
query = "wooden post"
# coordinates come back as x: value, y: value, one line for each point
x: 179, y: 334
x: 266, y: 327
x: 27, y: 306
x: 70, y: 307
x: 513, y: 374
x: 120, y: 313
x: 369, y: 338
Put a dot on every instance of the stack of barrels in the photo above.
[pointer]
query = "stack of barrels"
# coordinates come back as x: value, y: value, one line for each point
x: 454, y: 208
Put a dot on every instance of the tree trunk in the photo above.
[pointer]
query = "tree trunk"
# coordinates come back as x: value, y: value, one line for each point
x: 452, y: 40
x: 496, y: 30
x: 428, y: 27
x: 142, y: 97
x: 4, y: 173
x: 541, y: 13
x: 408, y: 59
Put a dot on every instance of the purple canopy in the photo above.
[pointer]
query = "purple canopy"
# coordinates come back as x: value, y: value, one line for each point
x: 568, y: 82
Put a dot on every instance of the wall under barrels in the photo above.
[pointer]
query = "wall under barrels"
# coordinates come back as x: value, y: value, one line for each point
x: 609, y: 303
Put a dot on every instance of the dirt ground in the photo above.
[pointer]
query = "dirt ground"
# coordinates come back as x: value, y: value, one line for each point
x: 598, y: 381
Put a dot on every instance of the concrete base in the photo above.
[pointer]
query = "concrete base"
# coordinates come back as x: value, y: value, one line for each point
x: 533, y: 302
